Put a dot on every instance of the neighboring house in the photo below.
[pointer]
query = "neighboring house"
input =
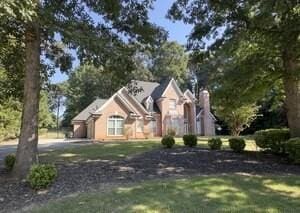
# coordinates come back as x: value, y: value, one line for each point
x: 152, y: 112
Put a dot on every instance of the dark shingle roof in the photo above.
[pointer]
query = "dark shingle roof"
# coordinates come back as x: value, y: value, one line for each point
x: 157, y: 93
x: 85, y: 114
x: 147, y: 89
x: 153, y: 89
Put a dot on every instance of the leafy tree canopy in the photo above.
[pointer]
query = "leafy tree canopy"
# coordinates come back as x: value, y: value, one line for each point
x: 255, y: 44
x: 170, y: 60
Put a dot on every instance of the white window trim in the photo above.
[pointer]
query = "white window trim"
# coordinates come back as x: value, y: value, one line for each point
x: 107, y: 127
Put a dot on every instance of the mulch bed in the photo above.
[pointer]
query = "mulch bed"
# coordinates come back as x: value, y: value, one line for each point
x: 155, y: 164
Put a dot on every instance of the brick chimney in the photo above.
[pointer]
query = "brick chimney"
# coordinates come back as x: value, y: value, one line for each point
x: 208, y: 124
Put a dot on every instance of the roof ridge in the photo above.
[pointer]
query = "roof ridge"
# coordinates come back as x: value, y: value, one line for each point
x: 146, y: 81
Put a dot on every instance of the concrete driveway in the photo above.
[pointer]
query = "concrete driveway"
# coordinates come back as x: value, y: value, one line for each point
x: 44, y: 145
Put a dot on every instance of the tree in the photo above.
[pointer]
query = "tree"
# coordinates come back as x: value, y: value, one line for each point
x: 86, y: 84
x: 237, y: 118
x: 259, y: 37
x: 169, y: 60
x: 46, y: 117
x: 10, y: 114
x: 57, y: 98
x: 43, y: 25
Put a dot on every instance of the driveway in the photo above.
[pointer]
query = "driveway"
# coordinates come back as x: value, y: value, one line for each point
x: 44, y: 145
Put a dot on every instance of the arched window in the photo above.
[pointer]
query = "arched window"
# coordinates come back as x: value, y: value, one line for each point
x: 115, y: 125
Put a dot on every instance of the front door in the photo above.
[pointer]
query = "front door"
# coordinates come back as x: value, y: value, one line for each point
x: 186, y: 126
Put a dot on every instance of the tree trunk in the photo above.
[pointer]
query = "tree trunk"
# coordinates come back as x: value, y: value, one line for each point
x: 27, y: 147
x: 291, y: 81
x: 292, y: 92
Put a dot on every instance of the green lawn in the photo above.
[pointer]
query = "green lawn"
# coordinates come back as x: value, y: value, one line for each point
x: 118, y: 150
x: 230, y: 193
x: 52, y: 134
x: 98, y: 151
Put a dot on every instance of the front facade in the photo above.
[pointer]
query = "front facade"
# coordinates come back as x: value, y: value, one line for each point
x: 153, y: 111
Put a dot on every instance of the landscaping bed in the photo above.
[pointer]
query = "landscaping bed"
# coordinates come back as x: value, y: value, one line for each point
x: 155, y: 164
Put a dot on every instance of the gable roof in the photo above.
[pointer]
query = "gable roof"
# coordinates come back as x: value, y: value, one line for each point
x: 85, y: 114
x: 157, y: 93
x: 147, y: 89
x: 199, y: 111
x: 153, y: 89
x: 189, y: 94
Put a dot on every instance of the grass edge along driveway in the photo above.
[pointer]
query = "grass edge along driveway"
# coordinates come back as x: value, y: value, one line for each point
x: 227, y: 193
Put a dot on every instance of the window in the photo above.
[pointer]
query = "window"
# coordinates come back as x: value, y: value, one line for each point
x: 149, y: 105
x: 139, y: 125
x: 172, y: 104
x: 115, y: 125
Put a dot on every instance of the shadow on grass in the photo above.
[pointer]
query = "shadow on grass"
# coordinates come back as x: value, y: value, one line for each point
x: 232, y: 193
x: 98, y: 151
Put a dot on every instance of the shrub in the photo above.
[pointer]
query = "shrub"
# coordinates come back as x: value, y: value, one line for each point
x: 190, y: 140
x: 69, y: 134
x: 293, y: 149
x: 9, y: 161
x: 168, y: 141
x: 215, y: 143
x: 272, y: 139
x: 171, y: 132
x: 237, y: 144
x: 41, y: 175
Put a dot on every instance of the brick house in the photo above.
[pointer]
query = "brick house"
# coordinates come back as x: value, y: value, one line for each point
x: 151, y: 112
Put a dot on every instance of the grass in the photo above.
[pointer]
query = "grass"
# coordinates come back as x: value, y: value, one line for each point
x: 228, y: 193
x: 51, y: 134
x: 118, y: 150
x: 98, y: 151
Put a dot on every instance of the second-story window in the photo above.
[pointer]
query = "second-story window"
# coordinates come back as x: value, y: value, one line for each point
x: 172, y: 104
x: 149, y: 105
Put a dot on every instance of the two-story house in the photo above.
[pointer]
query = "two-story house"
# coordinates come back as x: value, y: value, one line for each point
x: 151, y: 112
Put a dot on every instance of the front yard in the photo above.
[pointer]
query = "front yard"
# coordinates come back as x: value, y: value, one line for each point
x: 227, y: 193
x: 141, y: 176
x: 98, y: 151
x: 119, y: 150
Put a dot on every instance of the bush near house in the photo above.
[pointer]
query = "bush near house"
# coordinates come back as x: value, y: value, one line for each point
x: 9, y: 162
x: 237, y: 144
x: 272, y: 139
x: 215, y: 143
x: 293, y: 149
x: 190, y: 140
x: 168, y: 141
x: 41, y: 175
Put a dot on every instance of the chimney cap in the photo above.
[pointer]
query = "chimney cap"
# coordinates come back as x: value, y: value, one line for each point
x: 204, y: 91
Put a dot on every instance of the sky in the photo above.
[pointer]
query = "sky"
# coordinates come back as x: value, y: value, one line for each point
x: 177, y: 31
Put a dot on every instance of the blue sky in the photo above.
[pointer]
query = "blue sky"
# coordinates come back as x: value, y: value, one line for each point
x: 178, y: 31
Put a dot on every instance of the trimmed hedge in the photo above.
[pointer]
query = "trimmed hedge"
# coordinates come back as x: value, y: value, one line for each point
x: 293, y: 149
x: 237, y: 144
x: 9, y: 161
x: 215, y: 143
x: 272, y: 139
x: 190, y: 140
x: 168, y: 141
x: 41, y: 175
